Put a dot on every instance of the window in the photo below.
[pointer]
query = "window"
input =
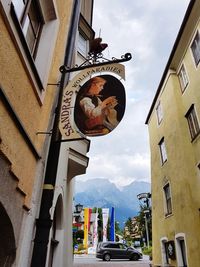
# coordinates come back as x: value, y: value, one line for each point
x: 165, y: 258
x: 168, y: 202
x: 159, y: 113
x: 181, y: 250
x: 82, y: 45
x: 85, y: 33
x: 192, y: 122
x: 183, y: 78
x: 163, y: 152
x: 30, y: 18
x: 122, y: 246
x: 111, y: 245
x: 35, y: 32
x: 166, y: 253
x: 196, y: 48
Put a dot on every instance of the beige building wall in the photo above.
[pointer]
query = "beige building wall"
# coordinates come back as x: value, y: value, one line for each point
x: 28, y: 92
x: 181, y: 169
x: 33, y: 109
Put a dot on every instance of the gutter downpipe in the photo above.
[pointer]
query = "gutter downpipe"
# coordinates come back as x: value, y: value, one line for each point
x: 44, y: 222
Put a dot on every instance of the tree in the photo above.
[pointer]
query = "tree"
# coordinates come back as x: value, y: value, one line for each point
x: 128, y: 229
x: 80, y: 235
x: 128, y: 225
x: 117, y: 228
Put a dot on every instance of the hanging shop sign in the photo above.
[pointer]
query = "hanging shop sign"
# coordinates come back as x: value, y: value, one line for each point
x: 93, y: 102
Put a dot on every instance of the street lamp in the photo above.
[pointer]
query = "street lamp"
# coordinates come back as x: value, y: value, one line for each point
x: 79, y: 208
x: 145, y: 197
x: 146, y: 226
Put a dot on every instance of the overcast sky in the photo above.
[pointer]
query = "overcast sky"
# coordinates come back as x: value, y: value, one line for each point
x: 147, y: 30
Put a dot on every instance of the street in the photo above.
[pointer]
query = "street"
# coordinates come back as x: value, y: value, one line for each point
x: 91, y: 261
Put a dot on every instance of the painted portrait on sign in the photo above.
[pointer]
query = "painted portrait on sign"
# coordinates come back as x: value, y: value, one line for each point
x: 100, y: 105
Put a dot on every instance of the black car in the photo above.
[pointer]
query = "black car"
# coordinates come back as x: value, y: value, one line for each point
x: 115, y: 250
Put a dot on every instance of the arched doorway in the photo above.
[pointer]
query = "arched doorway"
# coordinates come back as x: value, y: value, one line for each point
x: 8, y: 247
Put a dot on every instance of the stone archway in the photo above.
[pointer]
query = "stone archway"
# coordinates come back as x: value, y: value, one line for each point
x: 7, y: 247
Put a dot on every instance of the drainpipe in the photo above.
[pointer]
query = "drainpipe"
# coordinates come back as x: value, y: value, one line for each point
x: 44, y: 222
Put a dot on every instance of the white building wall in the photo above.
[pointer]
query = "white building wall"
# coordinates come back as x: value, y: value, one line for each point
x: 72, y: 162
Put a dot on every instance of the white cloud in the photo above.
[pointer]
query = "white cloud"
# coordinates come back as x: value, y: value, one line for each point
x: 119, y: 168
x: 146, y: 29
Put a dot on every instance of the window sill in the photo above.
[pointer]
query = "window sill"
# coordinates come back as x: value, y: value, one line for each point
x: 163, y: 163
x: 184, y: 89
x: 197, y: 63
x: 195, y: 137
x: 167, y: 215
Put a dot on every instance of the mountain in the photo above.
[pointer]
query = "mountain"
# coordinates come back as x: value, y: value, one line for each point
x: 102, y: 193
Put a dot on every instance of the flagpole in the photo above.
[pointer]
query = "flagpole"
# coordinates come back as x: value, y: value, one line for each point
x: 112, y: 225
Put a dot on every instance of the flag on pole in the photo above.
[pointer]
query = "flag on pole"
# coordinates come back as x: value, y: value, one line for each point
x: 105, y: 213
x: 86, y: 217
x: 112, y: 225
x: 89, y: 217
x: 95, y: 231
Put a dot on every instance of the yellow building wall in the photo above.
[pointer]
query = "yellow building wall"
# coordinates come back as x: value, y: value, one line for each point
x: 21, y: 93
x: 180, y: 170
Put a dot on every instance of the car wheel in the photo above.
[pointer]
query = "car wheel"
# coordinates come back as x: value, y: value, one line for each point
x: 134, y: 257
x: 106, y: 257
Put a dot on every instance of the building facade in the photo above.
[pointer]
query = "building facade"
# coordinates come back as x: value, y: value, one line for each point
x: 36, y: 38
x: 174, y: 131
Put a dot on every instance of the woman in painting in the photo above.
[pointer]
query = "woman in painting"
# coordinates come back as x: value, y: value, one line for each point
x: 99, y: 115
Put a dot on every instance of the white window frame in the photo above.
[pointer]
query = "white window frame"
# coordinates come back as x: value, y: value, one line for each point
x: 183, y: 78
x: 178, y: 238
x: 159, y: 113
x: 163, y: 151
x: 195, y: 48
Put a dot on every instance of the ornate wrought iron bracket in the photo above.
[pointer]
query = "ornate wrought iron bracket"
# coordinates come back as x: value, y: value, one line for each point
x: 94, y: 60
